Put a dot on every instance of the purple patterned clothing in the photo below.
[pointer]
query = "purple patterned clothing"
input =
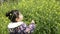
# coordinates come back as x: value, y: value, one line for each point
x: 20, y: 28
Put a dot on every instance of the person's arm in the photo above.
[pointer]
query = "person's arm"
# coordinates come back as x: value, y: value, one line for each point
x: 31, y: 27
x: 28, y: 29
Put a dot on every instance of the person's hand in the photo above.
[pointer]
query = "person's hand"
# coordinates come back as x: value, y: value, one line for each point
x: 33, y: 21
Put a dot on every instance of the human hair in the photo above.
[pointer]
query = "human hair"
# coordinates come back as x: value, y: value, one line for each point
x: 12, y: 15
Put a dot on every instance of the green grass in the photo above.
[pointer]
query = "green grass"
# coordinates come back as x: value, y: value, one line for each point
x: 46, y: 13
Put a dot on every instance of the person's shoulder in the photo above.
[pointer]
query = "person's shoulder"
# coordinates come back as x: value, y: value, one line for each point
x: 14, y: 25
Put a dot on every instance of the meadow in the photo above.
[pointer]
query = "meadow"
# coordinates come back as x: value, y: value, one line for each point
x: 46, y: 14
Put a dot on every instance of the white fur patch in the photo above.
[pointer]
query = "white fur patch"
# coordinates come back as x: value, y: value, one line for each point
x: 13, y: 25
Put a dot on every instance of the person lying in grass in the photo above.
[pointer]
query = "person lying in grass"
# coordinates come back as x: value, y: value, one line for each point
x: 17, y: 26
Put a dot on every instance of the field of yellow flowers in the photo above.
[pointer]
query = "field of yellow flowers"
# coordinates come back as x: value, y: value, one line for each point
x: 46, y: 14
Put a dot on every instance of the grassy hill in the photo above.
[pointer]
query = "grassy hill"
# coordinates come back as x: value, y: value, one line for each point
x: 46, y: 13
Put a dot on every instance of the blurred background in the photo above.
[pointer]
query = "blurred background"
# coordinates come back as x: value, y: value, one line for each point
x: 46, y: 14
